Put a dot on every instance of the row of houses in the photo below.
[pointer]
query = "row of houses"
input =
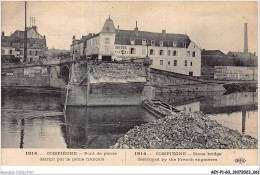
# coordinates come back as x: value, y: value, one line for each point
x: 169, y: 52
x: 12, y: 47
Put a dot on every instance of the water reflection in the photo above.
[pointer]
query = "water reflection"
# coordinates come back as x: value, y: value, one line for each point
x: 92, y: 127
x: 101, y: 127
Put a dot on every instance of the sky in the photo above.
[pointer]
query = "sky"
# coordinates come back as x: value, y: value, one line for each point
x: 211, y: 25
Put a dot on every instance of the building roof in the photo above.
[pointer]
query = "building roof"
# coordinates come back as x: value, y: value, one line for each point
x: 212, y: 52
x: 124, y: 37
x: 84, y: 38
x: 20, y: 33
x: 108, y: 27
x: 16, y: 42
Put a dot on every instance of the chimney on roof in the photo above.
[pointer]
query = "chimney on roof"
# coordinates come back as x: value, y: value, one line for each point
x: 164, y: 33
x: 245, y: 40
x: 136, y: 29
x: 118, y: 28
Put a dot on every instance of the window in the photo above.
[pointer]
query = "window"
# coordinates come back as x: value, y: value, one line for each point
x: 3, y: 52
x: 132, y: 50
x: 169, y: 53
x: 190, y: 73
x: 191, y: 63
x: 179, y: 44
x: 193, y: 54
x: 31, y: 59
x: 184, y: 108
x: 190, y: 109
x: 107, y: 41
x: 161, y: 43
x: 152, y: 42
x: 161, y: 52
x: 30, y: 53
x: 132, y: 41
x: 185, y: 45
x: 144, y: 42
x: 175, y: 53
x: 151, y: 52
x: 161, y: 62
x: 169, y: 62
x: 36, y: 52
x: 188, y: 53
x: 10, y: 52
x: 186, y: 62
x: 143, y: 51
x: 175, y: 62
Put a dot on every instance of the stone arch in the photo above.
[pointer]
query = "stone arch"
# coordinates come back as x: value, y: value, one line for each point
x: 64, y: 73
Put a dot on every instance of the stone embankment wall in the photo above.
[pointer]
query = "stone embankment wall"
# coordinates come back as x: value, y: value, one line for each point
x: 28, y: 77
x: 160, y: 78
x: 37, y: 76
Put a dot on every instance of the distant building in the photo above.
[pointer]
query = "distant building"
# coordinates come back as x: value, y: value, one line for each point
x: 235, y: 73
x: 170, y: 52
x: 244, y: 55
x: 212, y: 53
x: 57, y: 53
x: 12, y: 47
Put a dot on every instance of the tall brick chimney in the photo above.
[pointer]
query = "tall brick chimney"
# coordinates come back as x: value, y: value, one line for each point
x: 136, y: 29
x: 245, y: 40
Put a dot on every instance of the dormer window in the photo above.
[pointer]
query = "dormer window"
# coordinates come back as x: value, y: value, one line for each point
x: 143, y: 42
x: 152, y: 42
x: 161, y: 43
x: 174, y: 44
x: 132, y: 41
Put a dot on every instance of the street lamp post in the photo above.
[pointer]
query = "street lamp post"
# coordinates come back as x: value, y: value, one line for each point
x: 147, y: 44
x: 123, y: 52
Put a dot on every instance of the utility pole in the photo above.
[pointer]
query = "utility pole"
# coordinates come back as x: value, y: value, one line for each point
x: 25, y: 37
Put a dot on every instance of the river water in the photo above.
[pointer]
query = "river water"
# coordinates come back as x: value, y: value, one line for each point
x: 27, y: 120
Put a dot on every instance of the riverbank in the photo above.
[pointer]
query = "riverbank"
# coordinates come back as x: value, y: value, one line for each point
x: 184, y: 131
x: 47, y: 90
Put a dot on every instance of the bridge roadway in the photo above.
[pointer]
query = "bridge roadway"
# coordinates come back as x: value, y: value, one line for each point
x: 66, y: 61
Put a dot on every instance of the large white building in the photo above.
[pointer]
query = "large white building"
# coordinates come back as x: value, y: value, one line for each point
x: 169, y: 52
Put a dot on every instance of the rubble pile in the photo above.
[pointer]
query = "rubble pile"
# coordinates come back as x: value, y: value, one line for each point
x: 184, y: 131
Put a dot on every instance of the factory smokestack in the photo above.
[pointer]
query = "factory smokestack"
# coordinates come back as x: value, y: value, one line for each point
x: 245, y: 40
